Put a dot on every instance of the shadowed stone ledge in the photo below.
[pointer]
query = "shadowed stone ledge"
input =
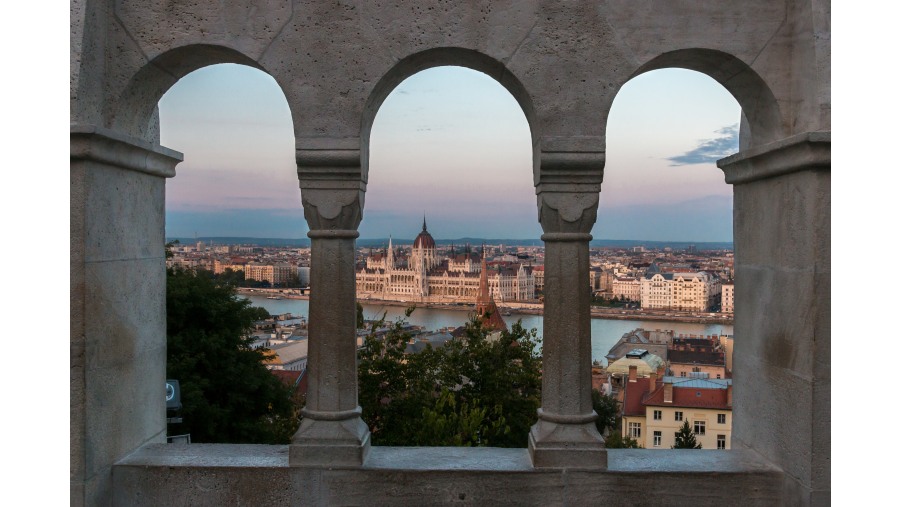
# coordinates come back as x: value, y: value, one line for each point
x: 221, y: 474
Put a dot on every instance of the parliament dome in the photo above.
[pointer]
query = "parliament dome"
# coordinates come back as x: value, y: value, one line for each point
x: 424, y: 239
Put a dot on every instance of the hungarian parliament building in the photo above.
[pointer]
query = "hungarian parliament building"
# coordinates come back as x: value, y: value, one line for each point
x: 427, y: 277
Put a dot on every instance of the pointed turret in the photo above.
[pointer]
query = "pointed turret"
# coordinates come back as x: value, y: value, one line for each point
x: 485, y: 307
x: 389, y: 261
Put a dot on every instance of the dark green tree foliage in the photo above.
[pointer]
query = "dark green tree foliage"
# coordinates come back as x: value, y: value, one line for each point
x: 227, y: 393
x: 607, y: 409
x: 615, y: 440
x: 685, y: 439
x: 470, y: 392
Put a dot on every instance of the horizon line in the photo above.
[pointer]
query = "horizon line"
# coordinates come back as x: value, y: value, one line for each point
x: 385, y: 238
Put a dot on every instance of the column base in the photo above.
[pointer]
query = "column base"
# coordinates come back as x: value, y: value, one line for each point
x: 559, y: 445
x: 319, y: 443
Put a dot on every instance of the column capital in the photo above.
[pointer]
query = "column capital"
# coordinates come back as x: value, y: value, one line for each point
x: 331, y: 184
x: 563, y: 214
x: 96, y: 144
x: 333, y: 209
x: 802, y: 152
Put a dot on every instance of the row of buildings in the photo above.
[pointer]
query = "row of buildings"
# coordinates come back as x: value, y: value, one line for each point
x: 662, y: 381
x: 279, y: 267
x: 682, y: 291
x: 425, y: 275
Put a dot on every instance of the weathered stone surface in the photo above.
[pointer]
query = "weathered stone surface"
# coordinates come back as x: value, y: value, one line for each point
x: 782, y: 245
x: 332, y: 432
x: 117, y: 344
x: 565, y: 435
x: 260, y: 475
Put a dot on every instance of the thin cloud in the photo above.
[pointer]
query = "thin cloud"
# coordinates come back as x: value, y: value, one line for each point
x: 710, y: 150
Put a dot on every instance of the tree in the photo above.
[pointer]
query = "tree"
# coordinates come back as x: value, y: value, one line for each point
x: 615, y: 440
x: 685, y: 439
x: 607, y: 409
x: 227, y: 393
x: 472, y: 391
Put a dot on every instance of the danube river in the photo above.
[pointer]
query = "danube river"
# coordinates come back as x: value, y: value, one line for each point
x: 604, y: 332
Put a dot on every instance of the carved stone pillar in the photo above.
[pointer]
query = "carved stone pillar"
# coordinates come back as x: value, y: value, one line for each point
x: 782, y: 312
x: 332, y: 432
x: 117, y: 331
x: 568, y: 193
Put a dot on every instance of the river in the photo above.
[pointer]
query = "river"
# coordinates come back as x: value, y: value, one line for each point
x: 604, y: 332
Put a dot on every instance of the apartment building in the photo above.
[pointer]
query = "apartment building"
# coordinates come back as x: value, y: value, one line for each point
x: 655, y: 408
x: 696, y: 292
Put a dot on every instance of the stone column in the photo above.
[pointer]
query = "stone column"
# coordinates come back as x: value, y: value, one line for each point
x: 568, y: 193
x: 332, y: 432
x: 782, y: 308
x: 117, y: 341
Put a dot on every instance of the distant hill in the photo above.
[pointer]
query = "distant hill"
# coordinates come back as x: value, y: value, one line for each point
x: 475, y: 242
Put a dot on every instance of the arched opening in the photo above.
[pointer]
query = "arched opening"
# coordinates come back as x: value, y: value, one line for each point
x: 239, y: 175
x: 664, y: 252
x: 764, y: 120
x: 135, y: 112
x: 234, y: 209
x: 438, y: 57
x: 452, y: 143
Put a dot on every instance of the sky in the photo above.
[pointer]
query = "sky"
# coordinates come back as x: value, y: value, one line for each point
x: 453, y: 145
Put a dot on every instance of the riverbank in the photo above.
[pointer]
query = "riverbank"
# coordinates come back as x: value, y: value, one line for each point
x: 596, y: 313
x: 523, y: 308
x: 276, y: 293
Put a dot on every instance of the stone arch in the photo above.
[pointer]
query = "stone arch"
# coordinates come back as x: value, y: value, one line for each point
x: 760, y: 112
x: 135, y: 110
x: 443, y: 57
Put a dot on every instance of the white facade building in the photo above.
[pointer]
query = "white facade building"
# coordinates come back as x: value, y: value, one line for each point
x: 627, y: 288
x: 429, y: 277
x: 696, y: 292
x: 728, y: 297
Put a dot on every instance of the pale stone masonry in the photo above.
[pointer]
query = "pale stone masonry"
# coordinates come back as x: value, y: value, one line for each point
x: 564, y: 63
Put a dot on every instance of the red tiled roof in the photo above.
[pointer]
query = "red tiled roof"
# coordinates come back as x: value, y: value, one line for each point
x: 689, y: 397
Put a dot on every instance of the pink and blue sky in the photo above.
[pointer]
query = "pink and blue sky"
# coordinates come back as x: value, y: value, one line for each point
x: 453, y: 144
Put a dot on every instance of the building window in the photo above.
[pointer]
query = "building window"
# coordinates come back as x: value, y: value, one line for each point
x: 657, y: 438
x: 700, y: 427
x: 721, y: 419
x: 657, y: 415
x: 679, y: 416
x: 683, y: 374
x: 720, y: 441
x: 634, y: 430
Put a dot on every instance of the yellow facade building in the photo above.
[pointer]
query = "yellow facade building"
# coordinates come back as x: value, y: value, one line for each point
x: 654, y: 409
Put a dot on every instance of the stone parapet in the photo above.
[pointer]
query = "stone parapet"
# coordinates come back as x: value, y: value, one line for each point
x: 210, y: 474
x: 88, y: 143
x: 117, y: 302
x: 802, y: 152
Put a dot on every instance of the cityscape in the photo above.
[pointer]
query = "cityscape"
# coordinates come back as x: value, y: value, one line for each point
x: 638, y: 280
x: 647, y: 371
